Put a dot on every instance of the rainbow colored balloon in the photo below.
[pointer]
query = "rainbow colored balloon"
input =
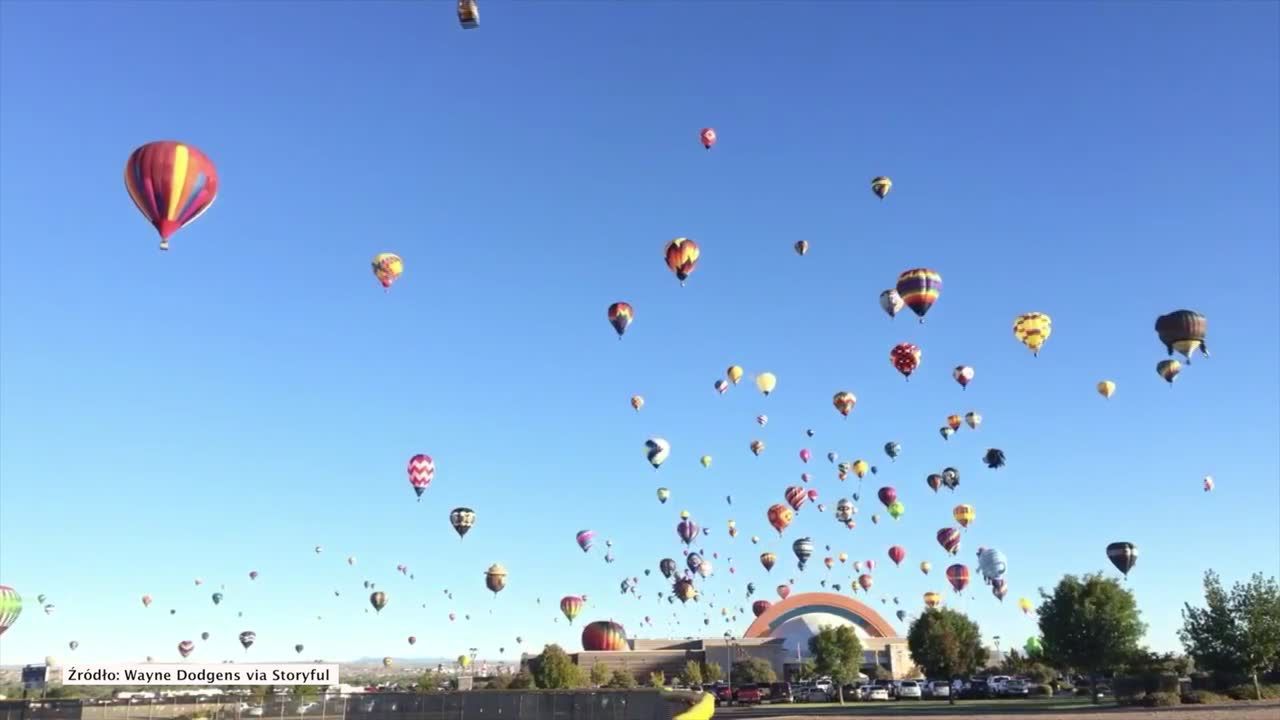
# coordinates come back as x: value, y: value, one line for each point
x: 172, y: 184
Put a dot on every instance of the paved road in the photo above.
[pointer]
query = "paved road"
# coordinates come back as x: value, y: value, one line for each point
x: 1265, y: 710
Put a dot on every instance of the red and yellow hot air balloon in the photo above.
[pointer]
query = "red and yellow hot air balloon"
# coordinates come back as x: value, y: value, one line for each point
x: 707, y: 137
x: 768, y: 559
x: 964, y: 514
x: 682, y: 257
x: 172, y: 184
x: 932, y: 599
x: 919, y: 289
x: 780, y: 516
x: 1169, y: 369
x: 958, y: 576
x: 844, y: 402
x: 905, y: 357
x: 1033, y: 329
x: 387, y: 267
x: 604, y: 636
x: 571, y: 605
x: 620, y: 316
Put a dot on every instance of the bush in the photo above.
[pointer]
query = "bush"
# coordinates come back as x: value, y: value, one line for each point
x: 1041, y: 690
x: 1204, y: 697
x: 621, y: 680
x: 1161, y: 699
x: 1246, y: 692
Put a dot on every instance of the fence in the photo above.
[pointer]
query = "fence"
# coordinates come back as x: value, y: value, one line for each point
x: 506, y: 704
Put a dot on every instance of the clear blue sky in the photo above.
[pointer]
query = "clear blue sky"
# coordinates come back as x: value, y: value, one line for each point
x: 229, y: 405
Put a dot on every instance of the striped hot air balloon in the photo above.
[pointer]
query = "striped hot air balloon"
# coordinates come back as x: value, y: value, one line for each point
x: 1183, y: 331
x: 571, y: 605
x: 604, y: 636
x: 10, y: 607
x: 422, y: 469
x: 172, y: 184
x: 958, y: 576
x: 949, y: 539
x: 919, y: 288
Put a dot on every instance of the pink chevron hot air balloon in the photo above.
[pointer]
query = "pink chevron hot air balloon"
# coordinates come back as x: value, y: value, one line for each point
x: 422, y: 469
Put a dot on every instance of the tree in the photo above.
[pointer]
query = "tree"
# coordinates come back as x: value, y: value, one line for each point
x: 621, y: 679
x: 600, y: 675
x: 657, y: 679
x: 806, y: 671
x: 875, y: 672
x: 946, y: 643
x: 522, y: 681
x: 1090, y: 624
x: 1237, y: 632
x: 712, y: 673
x: 429, y: 682
x: 754, y: 671
x: 692, y: 673
x: 838, y: 653
x: 555, y: 671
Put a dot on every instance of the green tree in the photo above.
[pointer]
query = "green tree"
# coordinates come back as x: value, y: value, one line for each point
x: 522, y: 680
x: 837, y: 653
x: 806, y: 671
x: 1237, y: 632
x: 555, y: 671
x: 657, y: 679
x: 599, y: 675
x: 429, y: 682
x: 621, y: 679
x: 946, y: 643
x: 712, y: 672
x: 692, y: 673
x: 1091, y: 624
x: 754, y: 671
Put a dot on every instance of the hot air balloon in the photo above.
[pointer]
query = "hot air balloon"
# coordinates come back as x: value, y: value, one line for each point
x: 247, y: 637
x: 896, y: 509
x: 1124, y: 555
x: 216, y: 597
x: 949, y: 539
x: 462, y: 519
x: 881, y: 185
x: 722, y: 386
x: 422, y: 469
x: 783, y: 591
x: 999, y: 589
x: 887, y: 495
x: 925, y: 567
x: 668, y: 567
x: 1025, y: 605
x: 663, y: 494
x: 958, y: 576
x: 796, y: 496
x: 844, y: 510
x: 897, y: 554
x: 1169, y: 369
x: 963, y: 514
x: 766, y: 382
x: 865, y: 582
x: 760, y: 606
x: 893, y: 450
x: 684, y: 590
x: 951, y: 478
x: 693, y: 561
x: 637, y: 402
x: 860, y: 468
x: 734, y: 373
x: 891, y: 302
x: 932, y: 599
x: 707, y: 136
x: 994, y: 458
x: 844, y: 402
x: 905, y: 357
x: 803, y: 548
x: 387, y: 267
x: 1106, y: 389
x: 73, y: 645
x: 469, y: 14
x: 571, y: 605
x: 204, y: 636
x: 972, y: 419
x: 585, y: 538
x: 935, y: 481
x: 602, y: 636
x: 687, y: 529
x: 705, y: 460
x: 10, y: 607
x: 1208, y: 483
x: 378, y: 600
x: 172, y: 184
x: 1183, y: 331
x: 992, y: 565
x: 767, y: 559
x: 780, y: 516
x: 682, y: 257
x: 757, y: 447
x: 656, y: 450
x: 620, y: 315
x: 1033, y: 647
x: 805, y: 455
x: 495, y: 578
x: 963, y: 374
x: 146, y: 601
x: 946, y: 431
x: 953, y: 422
x: 1032, y: 329
x: 802, y: 247
x: 919, y: 288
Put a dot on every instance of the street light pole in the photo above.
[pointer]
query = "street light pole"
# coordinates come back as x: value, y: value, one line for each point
x: 728, y: 656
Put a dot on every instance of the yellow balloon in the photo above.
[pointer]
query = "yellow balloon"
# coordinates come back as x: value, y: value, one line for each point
x: 925, y: 567
x: 860, y: 468
x: 1106, y: 389
x: 706, y: 461
x: 1025, y: 604
x: 1033, y: 329
x: 735, y: 374
x: 387, y: 267
x: 766, y: 382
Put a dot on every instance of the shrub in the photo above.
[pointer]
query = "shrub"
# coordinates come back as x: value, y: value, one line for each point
x: 1161, y: 699
x: 621, y: 680
x: 1204, y: 697
x: 1040, y: 690
x: 1246, y: 692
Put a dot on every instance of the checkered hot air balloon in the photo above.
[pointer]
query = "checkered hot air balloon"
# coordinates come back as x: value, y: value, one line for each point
x: 422, y: 469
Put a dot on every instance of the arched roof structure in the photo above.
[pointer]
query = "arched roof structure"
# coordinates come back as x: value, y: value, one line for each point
x: 802, y: 604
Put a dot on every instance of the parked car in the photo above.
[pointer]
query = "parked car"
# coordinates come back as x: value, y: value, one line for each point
x: 812, y: 693
x: 747, y: 695
x: 1017, y: 687
x: 878, y: 693
x: 722, y: 693
x: 909, y: 690
x: 939, y: 689
x: 254, y: 711
x: 780, y: 693
x: 997, y: 682
x: 976, y: 689
x: 890, y: 687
